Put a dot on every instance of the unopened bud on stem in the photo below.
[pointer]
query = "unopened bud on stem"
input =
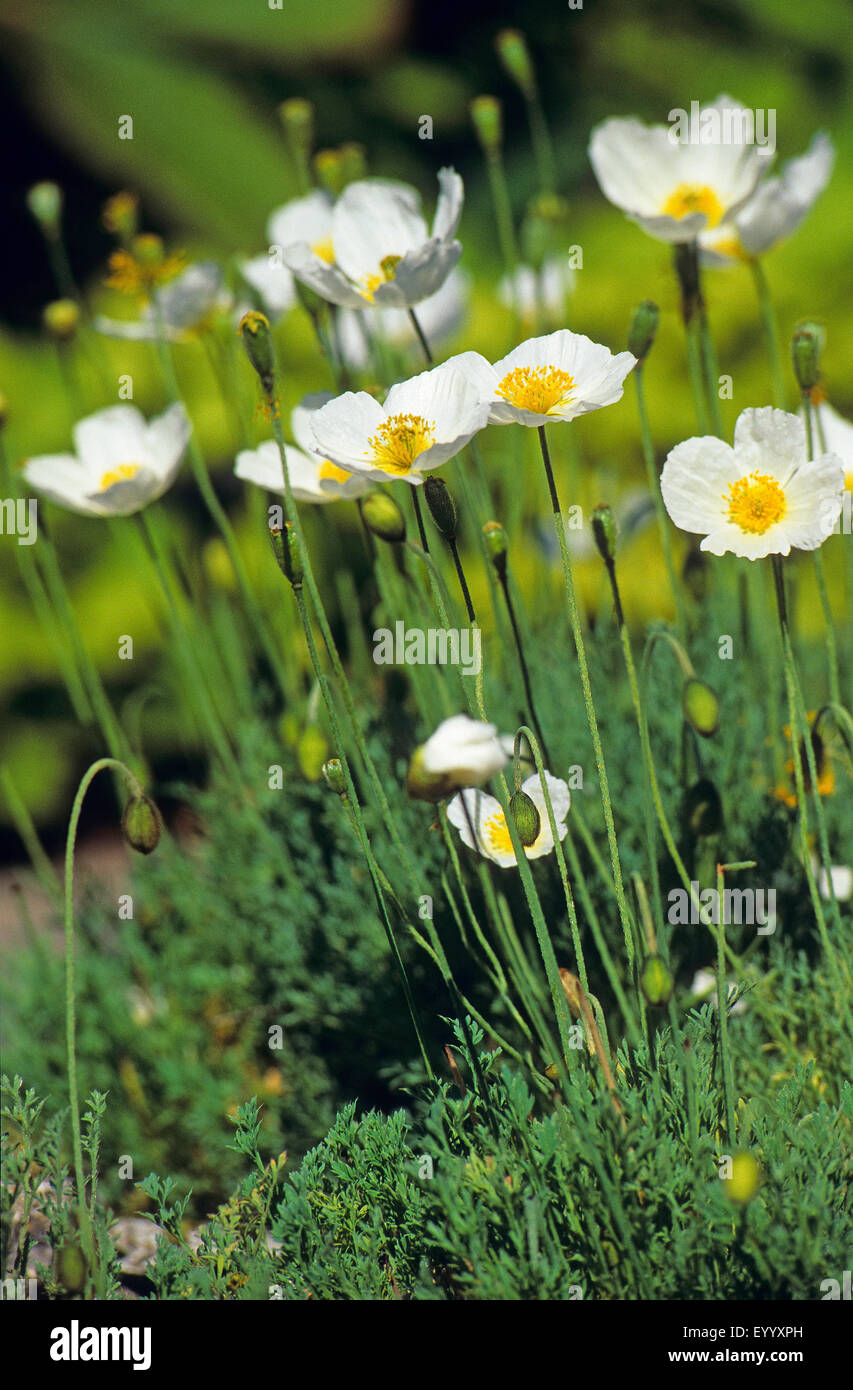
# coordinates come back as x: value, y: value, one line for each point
x: 806, y: 348
x: 643, y: 330
x: 288, y: 557
x: 496, y: 545
x: 486, y: 115
x: 604, y: 531
x: 526, y: 816
x: 141, y: 824
x: 442, y: 507
x: 515, y: 56
x: 257, y: 340
x: 383, y: 516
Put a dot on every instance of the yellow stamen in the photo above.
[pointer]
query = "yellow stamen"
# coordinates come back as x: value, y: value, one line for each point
x: 496, y: 834
x: 730, y: 246
x: 540, y: 390
x: 388, y: 266
x: 371, y: 283
x: 132, y: 275
x: 848, y: 482
x: 120, y: 474
x: 756, y: 503
x: 331, y: 471
x: 325, y: 250
x: 694, y: 197
x: 399, y: 440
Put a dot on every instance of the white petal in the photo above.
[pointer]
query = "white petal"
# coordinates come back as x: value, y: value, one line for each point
x: 261, y: 466
x: 328, y: 280
x: 342, y: 429
x: 307, y: 219
x: 770, y: 441
x: 694, y: 481
x: 302, y: 415
x: 110, y: 437
x: 419, y: 274
x: 451, y: 195
x: 62, y: 479
x: 166, y: 439
x: 375, y: 218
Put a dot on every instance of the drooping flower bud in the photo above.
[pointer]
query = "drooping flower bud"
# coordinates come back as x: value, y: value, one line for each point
x: 486, y: 115
x: 383, y: 516
x: 61, y: 318
x: 604, y: 531
x: 442, y: 507
x: 515, y: 56
x: 701, y: 706
x: 285, y: 544
x: 643, y: 330
x: 806, y: 348
x: 656, y: 981
x: 141, y: 824
x: 526, y: 817
x: 333, y: 772
x: 44, y: 201
x: 496, y: 545
x: 703, y: 809
x: 254, y: 329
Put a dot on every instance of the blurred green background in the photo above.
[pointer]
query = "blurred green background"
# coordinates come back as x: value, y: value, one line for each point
x: 202, y: 83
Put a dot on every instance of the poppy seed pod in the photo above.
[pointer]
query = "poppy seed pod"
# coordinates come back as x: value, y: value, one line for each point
x: 656, y: 981
x: 526, y: 817
x: 383, y: 517
x: 442, y: 507
x: 141, y: 824
x: 333, y: 772
x: 701, y: 706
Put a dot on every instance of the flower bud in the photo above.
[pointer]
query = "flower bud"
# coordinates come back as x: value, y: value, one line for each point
x: 442, y: 507
x: 329, y: 168
x: 141, y: 824
x: 285, y: 545
x: 806, y: 347
x: 297, y: 117
x: 496, y: 545
x: 254, y: 329
x: 656, y: 981
x: 703, y: 809
x: 604, y: 531
x: 333, y: 772
x: 643, y: 330
x: 148, y: 250
x: 120, y: 215
x: 486, y: 115
x: 745, y: 1180
x: 701, y: 706
x: 515, y: 56
x: 526, y: 817
x: 353, y: 161
x: 383, y: 516
x: 44, y: 201
x: 61, y: 319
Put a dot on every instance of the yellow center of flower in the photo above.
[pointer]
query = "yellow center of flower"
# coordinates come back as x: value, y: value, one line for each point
x: 331, y: 470
x: 730, y: 246
x: 537, y: 389
x: 756, y: 503
x: 325, y: 250
x: 141, y: 271
x: 694, y: 197
x: 496, y: 834
x: 120, y: 474
x: 399, y: 440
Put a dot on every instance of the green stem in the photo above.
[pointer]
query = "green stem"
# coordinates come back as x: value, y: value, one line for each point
x: 771, y: 333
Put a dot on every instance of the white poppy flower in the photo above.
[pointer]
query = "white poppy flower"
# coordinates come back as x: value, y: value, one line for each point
x: 424, y: 422
x: 185, y: 305
x: 837, y: 436
x: 677, y: 189
x: 477, y: 809
x: 462, y: 752
x: 842, y: 882
x: 439, y: 317
x: 305, y: 220
x: 545, y: 380
x: 122, y: 462
x: 705, y: 986
x: 533, y: 291
x: 759, y: 498
x: 379, y: 250
x: 775, y: 210
x: 311, y: 479
x: 272, y: 282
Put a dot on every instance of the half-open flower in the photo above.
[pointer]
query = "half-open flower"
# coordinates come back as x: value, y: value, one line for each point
x: 775, y: 210
x: 185, y: 306
x: 122, y: 462
x: 462, y: 752
x: 272, y: 282
x: 312, y: 479
x: 439, y: 317
x: 424, y: 422
x: 379, y: 250
x: 476, y: 814
x: 677, y: 184
x: 545, y: 380
x: 759, y: 498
